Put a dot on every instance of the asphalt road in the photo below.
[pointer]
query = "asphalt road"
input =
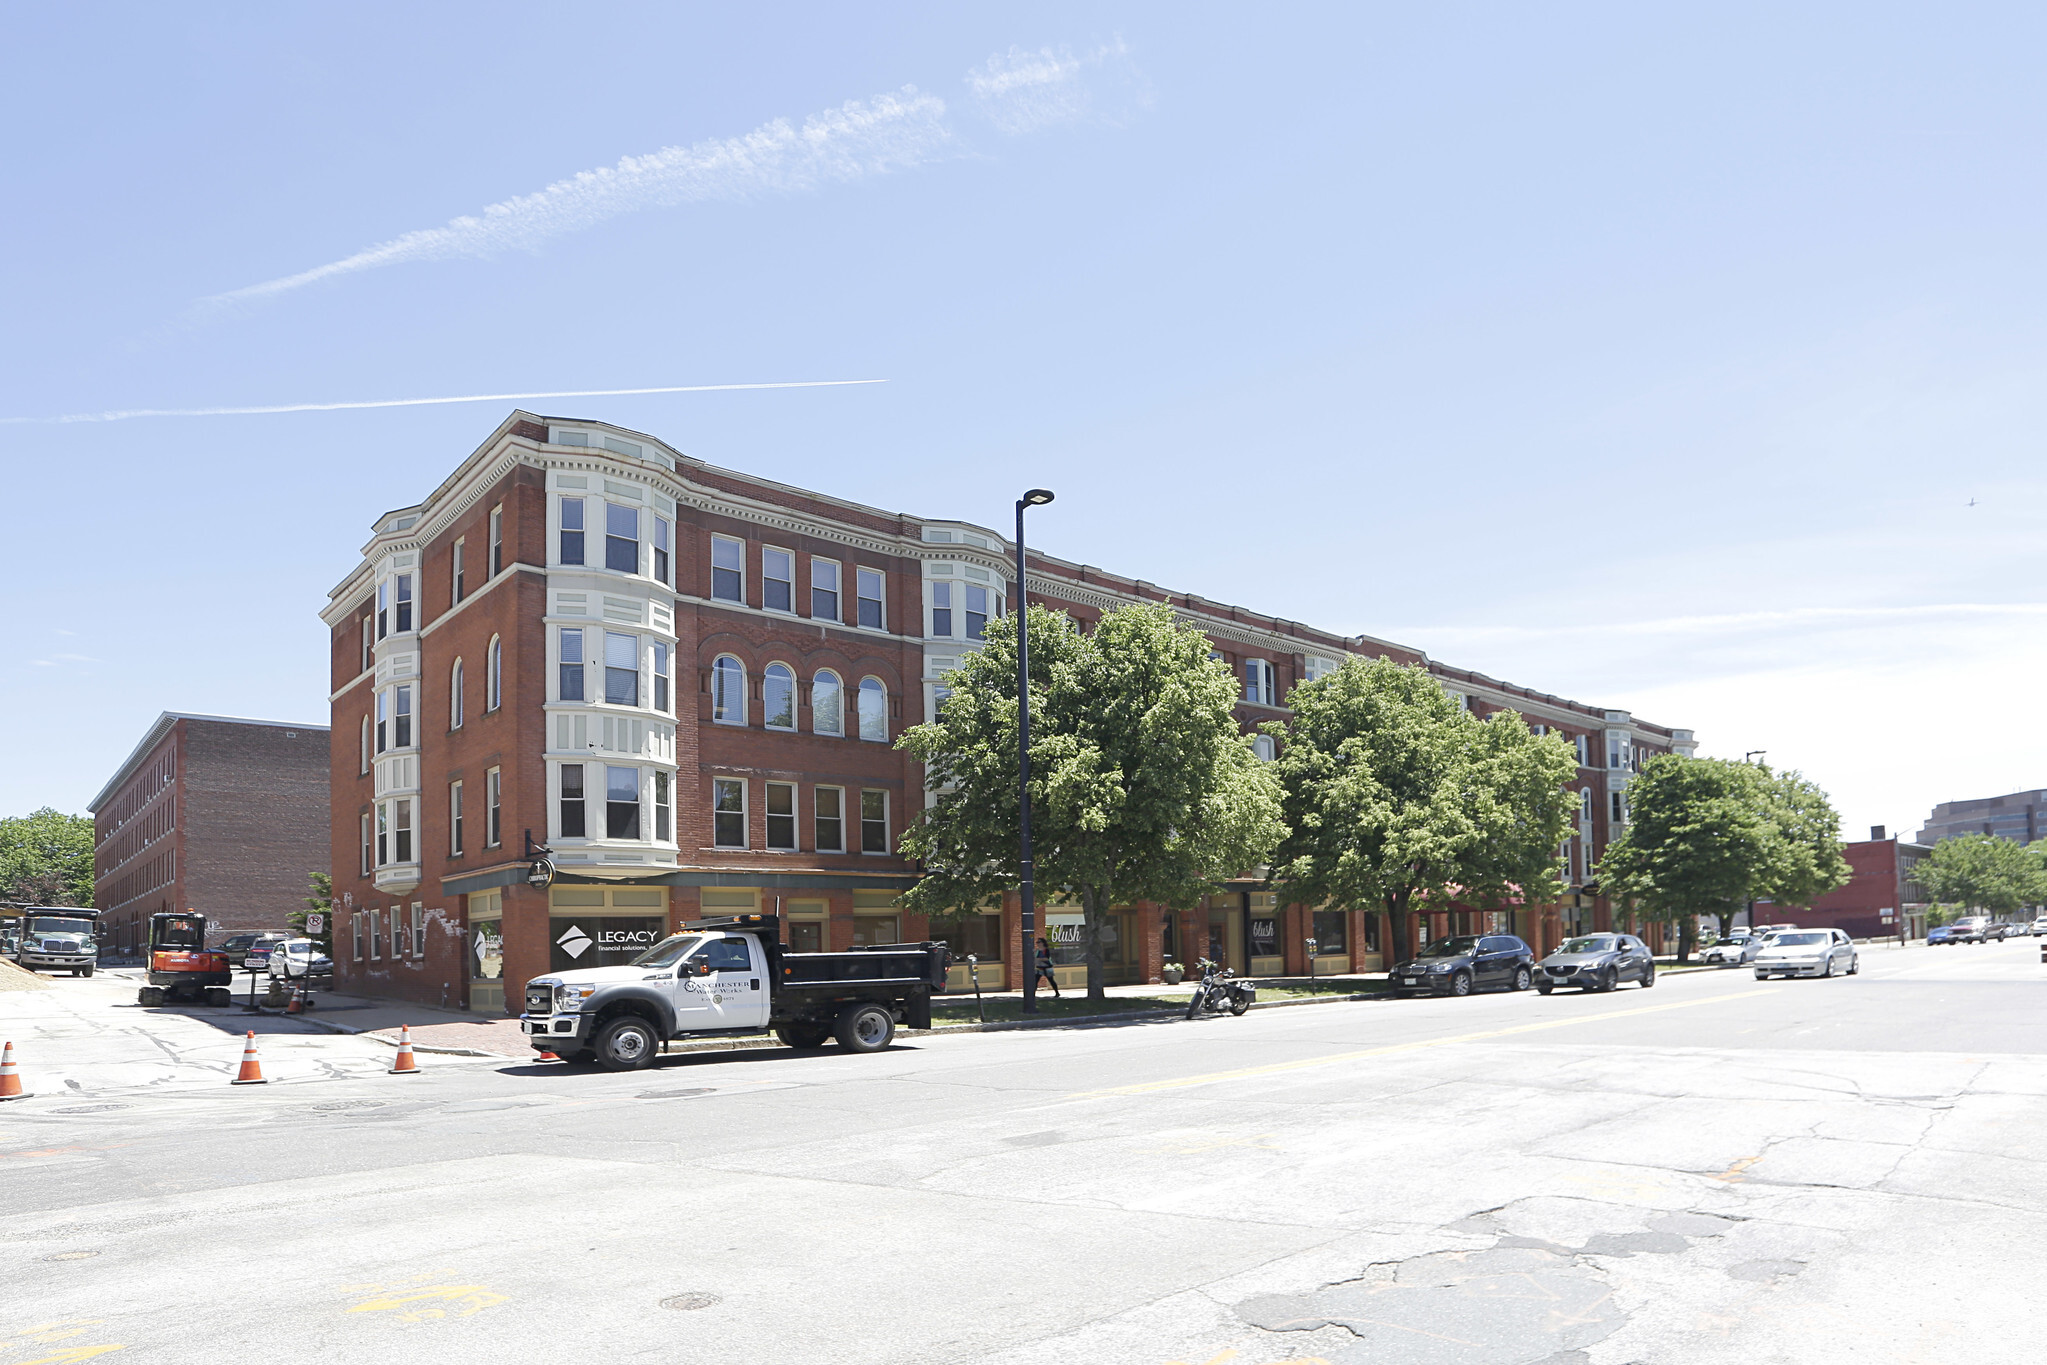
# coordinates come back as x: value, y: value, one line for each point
x: 1713, y: 1170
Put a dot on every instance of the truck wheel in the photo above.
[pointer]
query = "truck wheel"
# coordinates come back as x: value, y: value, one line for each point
x: 86, y: 972
x: 866, y: 1028
x: 627, y: 1043
x: 150, y: 996
x: 804, y: 1036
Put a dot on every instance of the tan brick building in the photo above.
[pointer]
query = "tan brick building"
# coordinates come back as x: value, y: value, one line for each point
x: 686, y: 682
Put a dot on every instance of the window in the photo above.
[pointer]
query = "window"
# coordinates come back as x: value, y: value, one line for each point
x: 1578, y: 742
x: 355, y: 933
x: 977, y: 611
x: 397, y: 931
x: 493, y: 814
x: 778, y: 580
x: 401, y: 830
x: 403, y: 718
x: 824, y: 589
x: 622, y: 803
x: 728, y: 812
x: 571, y: 808
x: 660, y: 677
x: 778, y: 698
x: 369, y: 644
x: 369, y: 850
x: 661, y: 539
x: 384, y: 721
x: 418, y: 930
x: 1613, y: 751
x: 572, y: 531
x: 383, y: 610
x: 1584, y: 805
x: 458, y: 584
x: 404, y: 603
x: 829, y: 822
x: 941, y: 609
x: 621, y: 669
x: 728, y: 569
x: 728, y: 691
x: 497, y: 541
x: 376, y: 938
x: 494, y: 675
x: 782, y: 816
x: 1617, y: 808
x: 572, y: 664
x: 455, y: 817
x: 1331, y: 933
x: 873, y: 710
x: 1258, y: 682
x: 827, y: 704
x: 874, y: 822
x: 365, y: 745
x: 621, y: 538
x: 664, y: 809
x: 868, y: 581
x: 455, y: 696
x: 383, y: 834
x: 1262, y: 745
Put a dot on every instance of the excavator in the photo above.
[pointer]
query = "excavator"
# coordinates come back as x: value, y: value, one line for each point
x: 181, y: 970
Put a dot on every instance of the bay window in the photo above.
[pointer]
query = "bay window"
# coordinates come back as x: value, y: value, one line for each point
x: 621, y: 538
x: 941, y: 609
x: 621, y: 803
x: 572, y: 664
x: 383, y: 721
x: 977, y: 611
x: 660, y: 677
x: 404, y: 603
x: 570, y: 809
x: 664, y: 809
x: 572, y: 531
x: 401, y: 829
x: 402, y: 738
x: 621, y: 669
x: 661, y: 539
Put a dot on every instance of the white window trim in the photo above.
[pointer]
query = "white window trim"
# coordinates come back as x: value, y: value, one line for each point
x: 456, y: 817
x: 882, y: 601
x: 766, y: 550
x: 887, y: 823
x: 455, y: 701
x: 795, y: 817
x: 418, y: 929
x: 494, y: 675
x: 745, y: 813
x: 828, y: 787
x: 810, y: 605
x: 493, y: 807
x: 838, y: 709
x: 862, y: 691
x: 743, y: 698
x: 712, y: 594
x: 795, y: 710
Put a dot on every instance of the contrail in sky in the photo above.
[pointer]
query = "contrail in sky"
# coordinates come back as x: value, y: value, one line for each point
x: 124, y: 414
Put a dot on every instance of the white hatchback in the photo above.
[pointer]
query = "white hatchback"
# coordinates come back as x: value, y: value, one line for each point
x: 1808, y: 952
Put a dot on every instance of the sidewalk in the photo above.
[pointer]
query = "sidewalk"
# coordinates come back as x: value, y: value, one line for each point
x: 433, y: 1030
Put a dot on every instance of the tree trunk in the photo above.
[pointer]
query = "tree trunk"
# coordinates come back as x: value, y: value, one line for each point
x: 1094, y: 904
x: 1687, y: 938
x: 1396, y: 930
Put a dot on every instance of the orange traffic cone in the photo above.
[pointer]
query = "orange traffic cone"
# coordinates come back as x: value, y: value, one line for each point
x: 404, y: 1066
x: 10, y: 1077
x: 252, y: 1070
x: 297, y: 1004
x: 550, y: 1057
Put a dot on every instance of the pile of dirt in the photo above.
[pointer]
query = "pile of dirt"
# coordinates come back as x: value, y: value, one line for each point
x: 13, y: 978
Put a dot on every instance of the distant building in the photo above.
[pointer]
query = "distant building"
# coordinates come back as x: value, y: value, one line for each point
x: 215, y: 814
x: 1881, y: 899
x: 2020, y: 815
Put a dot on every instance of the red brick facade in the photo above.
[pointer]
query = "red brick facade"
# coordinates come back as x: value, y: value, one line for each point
x: 469, y: 928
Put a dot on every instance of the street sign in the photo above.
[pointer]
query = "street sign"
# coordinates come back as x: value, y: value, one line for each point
x: 316, y: 924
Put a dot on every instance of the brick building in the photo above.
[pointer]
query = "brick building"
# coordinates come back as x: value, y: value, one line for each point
x: 687, y: 682
x: 210, y: 813
x: 1881, y: 899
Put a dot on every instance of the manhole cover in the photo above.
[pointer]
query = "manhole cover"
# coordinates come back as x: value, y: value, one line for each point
x: 88, y: 1108
x: 72, y: 1256
x: 696, y: 1299
x: 672, y: 1094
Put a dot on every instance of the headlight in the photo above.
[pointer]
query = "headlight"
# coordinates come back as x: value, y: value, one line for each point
x: 569, y: 999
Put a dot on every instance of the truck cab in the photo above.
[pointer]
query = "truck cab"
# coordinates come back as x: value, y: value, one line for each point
x: 57, y: 938
x: 731, y: 977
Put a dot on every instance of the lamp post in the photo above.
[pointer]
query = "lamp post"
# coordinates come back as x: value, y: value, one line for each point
x: 1035, y: 497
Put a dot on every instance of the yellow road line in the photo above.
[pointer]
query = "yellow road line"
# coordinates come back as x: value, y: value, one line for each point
x: 1276, y: 1068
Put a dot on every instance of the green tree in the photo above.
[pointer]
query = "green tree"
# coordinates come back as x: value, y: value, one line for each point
x: 1984, y: 873
x: 321, y: 884
x: 1707, y: 835
x: 1397, y: 797
x: 1143, y: 787
x: 46, y: 858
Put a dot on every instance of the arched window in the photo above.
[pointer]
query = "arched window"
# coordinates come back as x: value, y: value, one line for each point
x: 365, y: 742
x: 778, y: 697
x: 873, y: 710
x: 494, y: 675
x: 827, y: 704
x: 1265, y: 747
x: 728, y: 691
x: 455, y: 696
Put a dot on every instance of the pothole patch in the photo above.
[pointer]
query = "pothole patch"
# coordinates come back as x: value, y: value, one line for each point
x: 693, y: 1300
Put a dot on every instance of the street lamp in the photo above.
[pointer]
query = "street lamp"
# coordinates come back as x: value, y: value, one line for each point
x: 1035, y: 497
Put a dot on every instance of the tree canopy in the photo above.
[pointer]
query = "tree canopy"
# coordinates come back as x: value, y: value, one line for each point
x: 1397, y: 798
x: 1983, y: 872
x: 1143, y: 786
x: 46, y: 858
x: 1708, y: 835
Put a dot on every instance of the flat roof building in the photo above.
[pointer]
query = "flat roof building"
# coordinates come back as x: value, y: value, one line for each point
x: 2017, y: 815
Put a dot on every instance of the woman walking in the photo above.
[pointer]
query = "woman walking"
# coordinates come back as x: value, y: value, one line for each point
x: 1044, y: 967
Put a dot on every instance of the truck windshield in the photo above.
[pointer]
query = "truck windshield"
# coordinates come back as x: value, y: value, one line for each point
x: 667, y: 952
x: 59, y: 924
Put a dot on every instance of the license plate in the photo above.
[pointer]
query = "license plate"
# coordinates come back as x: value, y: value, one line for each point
x: 1409, y: 981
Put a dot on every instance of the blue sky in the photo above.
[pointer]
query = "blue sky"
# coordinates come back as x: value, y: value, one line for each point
x: 1679, y: 359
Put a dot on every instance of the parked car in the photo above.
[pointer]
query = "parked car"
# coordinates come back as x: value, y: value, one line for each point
x: 1466, y: 963
x: 1940, y: 934
x: 295, y: 958
x: 1768, y: 929
x: 1596, y: 962
x: 237, y: 947
x: 1971, y: 929
x: 2040, y: 926
x: 1737, y: 949
x: 1808, y: 952
x: 257, y: 952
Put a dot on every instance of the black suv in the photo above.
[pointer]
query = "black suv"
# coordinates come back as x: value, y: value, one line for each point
x: 1466, y: 963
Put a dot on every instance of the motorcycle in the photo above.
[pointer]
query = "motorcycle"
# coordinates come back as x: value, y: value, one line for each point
x: 1219, y: 990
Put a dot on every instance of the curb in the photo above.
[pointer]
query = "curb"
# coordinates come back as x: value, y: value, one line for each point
x: 392, y: 1043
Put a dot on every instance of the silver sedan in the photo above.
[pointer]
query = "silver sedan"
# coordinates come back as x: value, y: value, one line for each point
x: 1808, y: 952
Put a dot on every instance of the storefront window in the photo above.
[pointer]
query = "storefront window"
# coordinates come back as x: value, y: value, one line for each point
x: 1331, y: 933
x: 1265, y: 935
x: 874, y: 930
x: 976, y: 934
x: 592, y: 926
x: 806, y: 936
x: 1067, y: 932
